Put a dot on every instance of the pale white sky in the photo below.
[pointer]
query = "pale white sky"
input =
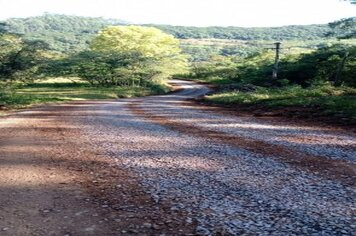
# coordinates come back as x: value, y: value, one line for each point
x: 190, y: 12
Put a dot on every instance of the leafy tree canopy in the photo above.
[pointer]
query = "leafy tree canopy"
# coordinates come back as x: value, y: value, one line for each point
x: 345, y: 28
x: 162, y: 49
x: 71, y: 34
x: 125, y: 55
x: 148, y: 41
x: 19, y: 59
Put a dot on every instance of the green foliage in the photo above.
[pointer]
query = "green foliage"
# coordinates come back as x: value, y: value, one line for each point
x: 134, y: 59
x: 3, y: 29
x: 254, y: 69
x: 59, y: 90
x: 241, y: 33
x: 204, y: 49
x: 345, y: 28
x: 199, y: 52
x: 161, y: 49
x: 71, y: 34
x: 125, y: 55
x: 321, y: 65
x: 310, y: 67
x: 19, y: 59
x: 330, y: 99
x: 216, y: 66
x: 282, y: 95
x: 304, y: 80
x: 148, y: 41
x: 217, y: 80
x: 63, y: 33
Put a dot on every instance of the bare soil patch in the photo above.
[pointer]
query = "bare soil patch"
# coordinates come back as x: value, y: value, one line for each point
x: 54, y: 183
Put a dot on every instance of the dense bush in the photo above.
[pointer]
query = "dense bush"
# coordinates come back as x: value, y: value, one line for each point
x: 319, y: 66
x: 124, y: 55
x: 20, y: 59
x: 322, y: 65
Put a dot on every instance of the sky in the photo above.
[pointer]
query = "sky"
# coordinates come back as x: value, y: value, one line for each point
x: 245, y: 13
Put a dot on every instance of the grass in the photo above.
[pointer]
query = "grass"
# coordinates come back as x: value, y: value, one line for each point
x: 215, y: 80
x: 331, y: 100
x: 64, y: 89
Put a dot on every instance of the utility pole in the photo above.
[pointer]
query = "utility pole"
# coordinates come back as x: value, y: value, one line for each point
x: 276, y: 62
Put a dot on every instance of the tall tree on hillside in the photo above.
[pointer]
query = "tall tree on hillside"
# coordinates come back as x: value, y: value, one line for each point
x: 148, y: 41
x: 126, y: 55
x: 159, y: 53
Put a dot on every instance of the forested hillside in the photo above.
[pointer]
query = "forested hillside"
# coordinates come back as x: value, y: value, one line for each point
x: 73, y: 33
x: 63, y: 33
x: 60, y: 23
x: 240, y: 33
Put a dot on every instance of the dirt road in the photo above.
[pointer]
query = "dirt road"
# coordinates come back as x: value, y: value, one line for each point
x: 163, y: 165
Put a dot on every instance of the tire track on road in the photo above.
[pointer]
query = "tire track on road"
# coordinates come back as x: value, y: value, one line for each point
x: 341, y: 170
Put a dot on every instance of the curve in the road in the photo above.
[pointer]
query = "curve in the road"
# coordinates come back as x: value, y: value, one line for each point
x: 162, y: 165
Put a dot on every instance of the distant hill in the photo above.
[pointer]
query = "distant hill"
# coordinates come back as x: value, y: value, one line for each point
x: 63, y: 33
x: 305, y: 32
x: 73, y: 33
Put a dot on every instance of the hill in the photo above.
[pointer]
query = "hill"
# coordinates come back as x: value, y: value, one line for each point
x: 291, y: 32
x: 72, y: 33
x: 63, y: 33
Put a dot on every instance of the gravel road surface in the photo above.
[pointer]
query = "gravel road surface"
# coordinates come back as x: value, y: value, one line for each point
x: 164, y: 165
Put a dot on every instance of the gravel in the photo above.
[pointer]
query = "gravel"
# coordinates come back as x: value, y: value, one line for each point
x: 225, y: 189
x: 311, y: 140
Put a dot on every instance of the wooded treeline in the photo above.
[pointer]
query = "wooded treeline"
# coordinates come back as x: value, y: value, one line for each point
x: 29, y: 41
x: 241, y: 33
x: 121, y: 55
x: 73, y: 33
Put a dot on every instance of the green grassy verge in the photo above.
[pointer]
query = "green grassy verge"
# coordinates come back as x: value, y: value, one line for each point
x: 328, y: 99
x: 214, y: 80
x: 61, y: 90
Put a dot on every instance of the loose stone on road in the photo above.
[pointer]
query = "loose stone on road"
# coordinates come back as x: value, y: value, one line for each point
x: 162, y: 165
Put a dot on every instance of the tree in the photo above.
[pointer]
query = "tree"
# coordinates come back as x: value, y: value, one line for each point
x: 115, y: 68
x: 345, y: 28
x: 149, y: 41
x: 150, y: 53
x: 19, y: 59
x: 124, y: 56
x: 325, y: 64
x: 3, y: 28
